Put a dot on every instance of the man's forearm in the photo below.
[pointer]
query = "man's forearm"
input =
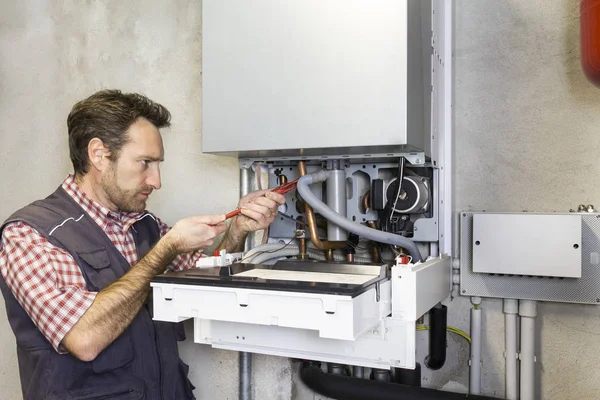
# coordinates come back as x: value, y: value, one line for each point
x: 233, y: 240
x: 117, y: 305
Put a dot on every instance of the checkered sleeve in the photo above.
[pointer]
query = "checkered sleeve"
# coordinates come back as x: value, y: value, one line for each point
x: 182, y: 261
x: 45, y: 280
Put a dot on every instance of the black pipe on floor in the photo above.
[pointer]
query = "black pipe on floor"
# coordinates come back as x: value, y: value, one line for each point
x: 410, y: 377
x: 345, y: 388
x: 438, y: 322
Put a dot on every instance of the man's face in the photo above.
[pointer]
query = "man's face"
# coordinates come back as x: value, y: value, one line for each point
x: 130, y: 179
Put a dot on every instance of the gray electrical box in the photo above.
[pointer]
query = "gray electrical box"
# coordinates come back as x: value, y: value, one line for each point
x: 313, y: 77
x: 527, y: 244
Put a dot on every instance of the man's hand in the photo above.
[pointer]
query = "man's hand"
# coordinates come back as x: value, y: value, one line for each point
x: 195, y: 233
x: 258, y: 211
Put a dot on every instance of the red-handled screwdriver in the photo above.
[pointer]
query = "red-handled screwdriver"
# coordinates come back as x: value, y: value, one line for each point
x: 283, y: 189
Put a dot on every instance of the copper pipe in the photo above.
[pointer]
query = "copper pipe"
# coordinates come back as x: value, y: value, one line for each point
x: 376, y: 255
x: 350, y: 257
x: 312, y: 225
x: 367, y: 201
x: 329, y: 254
x: 282, y: 179
x: 302, y: 248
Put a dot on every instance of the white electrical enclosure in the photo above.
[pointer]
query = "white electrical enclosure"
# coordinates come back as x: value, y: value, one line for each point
x: 300, y: 78
x: 527, y: 244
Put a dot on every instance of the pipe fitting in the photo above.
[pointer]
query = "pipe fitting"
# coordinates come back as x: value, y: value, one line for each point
x: 528, y: 308
x: 456, y: 278
x: 510, y: 306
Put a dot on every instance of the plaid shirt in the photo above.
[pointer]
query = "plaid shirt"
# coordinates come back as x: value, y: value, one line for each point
x: 45, y: 279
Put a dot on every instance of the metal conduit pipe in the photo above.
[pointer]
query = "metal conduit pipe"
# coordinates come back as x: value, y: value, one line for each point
x: 245, y: 359
x: 346, y: 388
x: 312, y: 224
x: 510, y: 307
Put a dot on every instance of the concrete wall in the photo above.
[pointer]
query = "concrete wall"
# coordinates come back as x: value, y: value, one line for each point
x: 527, y: 137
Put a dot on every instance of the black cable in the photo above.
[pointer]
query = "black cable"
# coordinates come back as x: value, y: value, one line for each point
x: 291, y: 218
x: 389, y: 208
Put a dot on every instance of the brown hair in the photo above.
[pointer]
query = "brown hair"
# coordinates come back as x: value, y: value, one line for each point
x: 107, y: 115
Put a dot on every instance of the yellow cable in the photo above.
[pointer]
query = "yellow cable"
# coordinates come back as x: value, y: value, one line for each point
x: 451, y: 329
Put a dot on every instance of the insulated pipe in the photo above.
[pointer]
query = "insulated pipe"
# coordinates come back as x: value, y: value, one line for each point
x: 290, y: 251
x: 528, y: 312
x: 411, y: 377
x: 245, y: 359
x: 360, y: 230
x: 438, y: 318
x: 510, y: 308
x: 287, y: 252
x: 336, y: 200
x: 273, y: 247
x: 358, y: 372
x: 268, y: 247
x: 475, y: 372
x: 381, y: 375
x: 312, y: 223
x: 346, y: 388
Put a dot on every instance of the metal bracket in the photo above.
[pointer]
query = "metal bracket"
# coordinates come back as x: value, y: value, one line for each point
x: 415, y: 158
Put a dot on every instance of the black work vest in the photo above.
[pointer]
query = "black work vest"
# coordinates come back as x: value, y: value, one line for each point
x: 142, y: 363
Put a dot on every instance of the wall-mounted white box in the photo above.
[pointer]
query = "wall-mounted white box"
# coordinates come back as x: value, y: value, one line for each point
x: 313, y: 77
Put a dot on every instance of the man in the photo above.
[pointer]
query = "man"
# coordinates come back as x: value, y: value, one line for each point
x: 76, y: 266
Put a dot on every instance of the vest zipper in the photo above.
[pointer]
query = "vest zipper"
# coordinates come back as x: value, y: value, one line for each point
x: 113, y: 394
x: 157, y: 342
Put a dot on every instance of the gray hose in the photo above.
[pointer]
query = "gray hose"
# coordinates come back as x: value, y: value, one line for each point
x: 294, y: 251
x: 261, y: 258
x: 343, y: 222
x: 261, y: 249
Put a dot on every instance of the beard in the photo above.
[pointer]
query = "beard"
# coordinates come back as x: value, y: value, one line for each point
x: 128, y: 200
